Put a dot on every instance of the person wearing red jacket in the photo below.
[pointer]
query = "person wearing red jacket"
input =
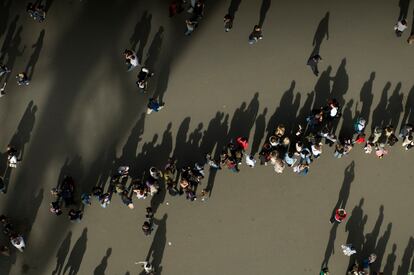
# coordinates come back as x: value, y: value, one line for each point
x: 243, y: 143
x: 339, y: 216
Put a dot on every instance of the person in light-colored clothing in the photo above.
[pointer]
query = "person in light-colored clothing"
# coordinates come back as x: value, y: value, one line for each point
x: 348, y: 249
x: 400, y: 27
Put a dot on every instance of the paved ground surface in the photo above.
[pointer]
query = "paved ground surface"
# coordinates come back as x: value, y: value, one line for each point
x: 82, y: 115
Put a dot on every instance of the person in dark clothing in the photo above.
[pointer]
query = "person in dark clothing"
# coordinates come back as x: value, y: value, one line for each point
x: 147, y: 228
x: 75, y: 215
x: 228, y: 22
x: 36, y: 11
x: 313, y: 63
x: 126, y: 199
x: 143, y: 76
x: 256, y: 35
x: 22, y: 79
x: 198, y: 11
x: 55, y: 208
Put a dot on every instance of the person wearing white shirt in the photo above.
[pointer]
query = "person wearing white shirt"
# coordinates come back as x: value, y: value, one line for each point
x: 18, y: 242
x: 348, y: 249
x: 131, y: 59
x: 250, y: 161
x: 400, y: 27
x: 316, y: 150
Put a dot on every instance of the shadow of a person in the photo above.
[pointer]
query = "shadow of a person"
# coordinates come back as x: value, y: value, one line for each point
x: 263, y: 11
x: 366, y: 97
x: 234, y: 6
x: 76, y: 255
x: 321, y: 32
x: 406, y: 258
x: 389, y: 265
x: 404, y: 5
x: 62, y: 254
x: 141, y: 34
x: 100, y: 269
x: 9, y: 36
x: 4, y: 15
x: 157, y: 248
x: 154, y: 49
x: 35, y: 55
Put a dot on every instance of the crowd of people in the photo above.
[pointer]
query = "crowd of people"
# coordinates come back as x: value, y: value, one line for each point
x: 284, y: 148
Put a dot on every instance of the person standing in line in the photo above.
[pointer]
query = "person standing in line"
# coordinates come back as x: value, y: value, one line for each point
x: 339, y: 216
x: 154, y: 106
x: 400, y: 27
x: 316, y: 149
x: 405, y: 130
x: 408, y: 142
x: 143, y: 76
x: 255, y: 35
x: 313, y: 63
x: 250, y: 161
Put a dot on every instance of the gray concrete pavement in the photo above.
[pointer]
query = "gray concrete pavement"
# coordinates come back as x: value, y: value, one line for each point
x: 86, y: 116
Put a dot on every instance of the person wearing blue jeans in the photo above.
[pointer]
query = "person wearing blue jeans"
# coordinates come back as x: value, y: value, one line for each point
x: 154, y: 106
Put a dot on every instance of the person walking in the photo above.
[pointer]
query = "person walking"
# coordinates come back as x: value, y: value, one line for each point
x: 255, y: 35
x: 400, y: 27
x: 131, y: 59
x: 148, y: 268
x: 75, y: 215
x: 143, y: 76
x: 359, y: 125
x: 154, y: 106
x: 250, y: 161
x: 228, y: 22
x: 22, y: 79
x: 313, y: 63
x: 339, y: 216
